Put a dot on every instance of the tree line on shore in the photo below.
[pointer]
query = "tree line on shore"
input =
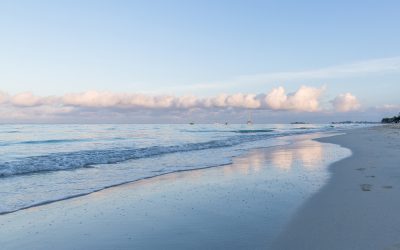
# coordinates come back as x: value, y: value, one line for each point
x: 394, y: 119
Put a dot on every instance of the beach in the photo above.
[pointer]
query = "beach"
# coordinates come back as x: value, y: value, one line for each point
x: 199, y: 125
x: 359, y: 206
x: 307, y: 193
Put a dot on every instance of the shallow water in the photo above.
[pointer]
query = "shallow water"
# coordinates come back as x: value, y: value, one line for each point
x: 243, y: 205
x: 43, y: 163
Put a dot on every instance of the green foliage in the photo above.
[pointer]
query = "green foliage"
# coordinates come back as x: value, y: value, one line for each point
x: 394, y: 119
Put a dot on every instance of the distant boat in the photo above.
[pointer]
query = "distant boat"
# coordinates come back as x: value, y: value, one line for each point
x: 298, y: 123
x: 250, y: 120
x: 191, y: 123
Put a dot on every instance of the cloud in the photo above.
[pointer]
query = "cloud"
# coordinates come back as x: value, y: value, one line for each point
x: 104, y: 99
x: 3, y: 97
x: 117, y: 100
x: 91, y: 99
x: 354, y: 69
x: 99, y: 104
x: 387, y: 109
x: 345, y: 70
x: 25, y: 99
x: 239, y: 100
x: 304, y: 99
x: 345, y: 102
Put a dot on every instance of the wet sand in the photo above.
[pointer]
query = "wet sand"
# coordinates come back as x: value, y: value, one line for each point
x: 359, y: 208
x: 244, y: 205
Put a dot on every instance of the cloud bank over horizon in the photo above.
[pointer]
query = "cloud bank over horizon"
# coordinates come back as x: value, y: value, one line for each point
x: 305, y: 99
x: 102, y: 105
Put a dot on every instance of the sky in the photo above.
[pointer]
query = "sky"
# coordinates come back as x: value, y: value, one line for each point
x: 203, y: 61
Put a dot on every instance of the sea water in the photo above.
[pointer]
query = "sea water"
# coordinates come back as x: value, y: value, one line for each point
x: 45, y: 163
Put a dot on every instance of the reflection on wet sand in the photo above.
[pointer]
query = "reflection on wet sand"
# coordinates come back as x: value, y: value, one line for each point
x: 306, y: 154
x: 282, y: 159
x: 246, y: 164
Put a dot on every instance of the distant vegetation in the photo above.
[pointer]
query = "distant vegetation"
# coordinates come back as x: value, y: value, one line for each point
x: 394, y: 119
x: 354, y: 122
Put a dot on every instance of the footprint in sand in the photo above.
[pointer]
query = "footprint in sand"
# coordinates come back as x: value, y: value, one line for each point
x: 366, y: 187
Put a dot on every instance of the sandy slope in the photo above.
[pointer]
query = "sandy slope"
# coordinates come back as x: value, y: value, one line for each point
x: 360, y: 206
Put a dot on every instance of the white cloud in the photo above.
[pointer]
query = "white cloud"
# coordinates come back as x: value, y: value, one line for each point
x: 3, y: 97
x: 91, y: 99
x: 304, y: 99
x: 345, y: 102
x: 276, y: 98
x: 239, y: 100
x: 25, y: 99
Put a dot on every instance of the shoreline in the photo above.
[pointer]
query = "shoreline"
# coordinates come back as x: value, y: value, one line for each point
x: 131, y: 170
x: 108, y: 187
x: 241, y: 205
x: 358, y: 207
x: 284, y: 138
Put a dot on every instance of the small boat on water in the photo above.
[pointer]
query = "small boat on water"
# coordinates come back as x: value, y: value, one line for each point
x: 250, y: 120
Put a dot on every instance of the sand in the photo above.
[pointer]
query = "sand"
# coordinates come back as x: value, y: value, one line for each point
x: 359, y: 208
x: 273, y: 198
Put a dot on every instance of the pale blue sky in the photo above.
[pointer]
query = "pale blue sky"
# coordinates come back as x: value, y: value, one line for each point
x: 199, y: 47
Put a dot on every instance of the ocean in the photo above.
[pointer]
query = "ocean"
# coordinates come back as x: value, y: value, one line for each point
x: 44, y: 163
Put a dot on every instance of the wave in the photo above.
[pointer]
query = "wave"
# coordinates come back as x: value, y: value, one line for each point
x: 56, y: 141
x: 2, y: 143
x: 240, y: 131
x: 88, y: 158
x: 205, y: 131
x: 248, y: 131
x: 53, y: 141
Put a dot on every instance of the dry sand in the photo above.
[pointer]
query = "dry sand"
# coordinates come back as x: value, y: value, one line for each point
x: 359, y: 208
